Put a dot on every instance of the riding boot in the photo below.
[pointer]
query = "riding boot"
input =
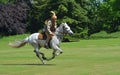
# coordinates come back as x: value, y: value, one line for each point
x: 46, y: 46
x: 46, y: 43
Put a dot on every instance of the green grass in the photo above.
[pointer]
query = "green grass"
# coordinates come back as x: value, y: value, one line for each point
x: 87, y: 57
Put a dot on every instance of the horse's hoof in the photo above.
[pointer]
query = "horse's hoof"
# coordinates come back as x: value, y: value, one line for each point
x: 44, y: 63
x: 61, y: 52
x: 34, y: 51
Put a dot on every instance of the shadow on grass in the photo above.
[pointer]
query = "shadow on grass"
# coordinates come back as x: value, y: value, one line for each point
x: 28, y: 64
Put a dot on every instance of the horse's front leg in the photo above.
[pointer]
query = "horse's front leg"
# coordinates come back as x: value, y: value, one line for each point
x: 58, y: 51
x: 53, y: 56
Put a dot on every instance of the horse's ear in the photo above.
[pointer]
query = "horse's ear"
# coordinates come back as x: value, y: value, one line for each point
x: 62, y: 23
x: 65, y: 22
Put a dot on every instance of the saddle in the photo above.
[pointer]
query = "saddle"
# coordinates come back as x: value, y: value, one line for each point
x: 42, y: 36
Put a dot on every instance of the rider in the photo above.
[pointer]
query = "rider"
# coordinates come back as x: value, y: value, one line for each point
x: 50, y: 27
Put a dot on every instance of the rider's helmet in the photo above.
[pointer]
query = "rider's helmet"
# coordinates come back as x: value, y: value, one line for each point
x: 53, y: 15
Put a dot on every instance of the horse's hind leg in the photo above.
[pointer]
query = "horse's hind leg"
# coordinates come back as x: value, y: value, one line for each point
x: 38, y: 55
x: 43, y: 56
x: 36, y: 47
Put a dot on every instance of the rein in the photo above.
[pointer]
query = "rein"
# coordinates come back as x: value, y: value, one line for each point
x: 62, y: 33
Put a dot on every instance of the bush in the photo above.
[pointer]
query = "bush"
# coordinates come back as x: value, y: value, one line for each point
x: 13, y: 18
x: 74, y: 37
x: 77, y: 36
x: 105, y: 35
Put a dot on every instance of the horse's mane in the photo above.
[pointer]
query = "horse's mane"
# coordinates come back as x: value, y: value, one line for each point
x: 61, y: 25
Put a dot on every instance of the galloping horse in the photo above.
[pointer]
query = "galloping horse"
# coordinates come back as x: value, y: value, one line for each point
x: 38, y: 43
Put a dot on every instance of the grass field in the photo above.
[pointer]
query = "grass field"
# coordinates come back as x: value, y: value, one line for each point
x: 87, y: 57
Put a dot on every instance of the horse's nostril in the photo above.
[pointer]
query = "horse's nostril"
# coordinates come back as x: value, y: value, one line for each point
x: 70, y: 33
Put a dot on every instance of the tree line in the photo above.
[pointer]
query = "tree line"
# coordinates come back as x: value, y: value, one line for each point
x: 85, y: 17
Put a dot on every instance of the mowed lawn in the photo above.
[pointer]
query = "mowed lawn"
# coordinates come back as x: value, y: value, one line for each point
x: 87, y: 57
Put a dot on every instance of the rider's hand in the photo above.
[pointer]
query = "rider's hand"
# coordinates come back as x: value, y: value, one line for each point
x: 52, y: 34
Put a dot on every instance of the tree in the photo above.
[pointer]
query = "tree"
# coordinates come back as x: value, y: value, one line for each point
x: 70, y: 11
x: 109, y: 15
x: 13, y: 18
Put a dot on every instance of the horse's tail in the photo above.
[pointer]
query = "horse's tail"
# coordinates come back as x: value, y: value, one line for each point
x: 19, y: 44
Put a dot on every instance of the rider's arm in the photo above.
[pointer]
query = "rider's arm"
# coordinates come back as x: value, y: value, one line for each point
x: 49, y: 24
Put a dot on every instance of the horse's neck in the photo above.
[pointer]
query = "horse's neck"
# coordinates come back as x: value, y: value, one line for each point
x: 59, y: 37
x: 59, y: 33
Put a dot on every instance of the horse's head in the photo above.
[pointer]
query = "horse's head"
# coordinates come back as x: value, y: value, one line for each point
x: 66, y: 29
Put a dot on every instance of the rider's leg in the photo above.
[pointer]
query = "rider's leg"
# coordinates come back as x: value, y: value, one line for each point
x: 49, y: 36
x: 47, y: 40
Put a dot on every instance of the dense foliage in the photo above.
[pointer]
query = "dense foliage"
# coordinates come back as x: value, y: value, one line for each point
x: 106, y: 16
x: 13, y: 18
x: 85, y: 17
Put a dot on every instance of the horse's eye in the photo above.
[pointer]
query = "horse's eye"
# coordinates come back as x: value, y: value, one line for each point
x: 66, y: 28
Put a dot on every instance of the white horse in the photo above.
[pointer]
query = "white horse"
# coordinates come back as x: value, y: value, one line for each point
x: 37, y: 43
